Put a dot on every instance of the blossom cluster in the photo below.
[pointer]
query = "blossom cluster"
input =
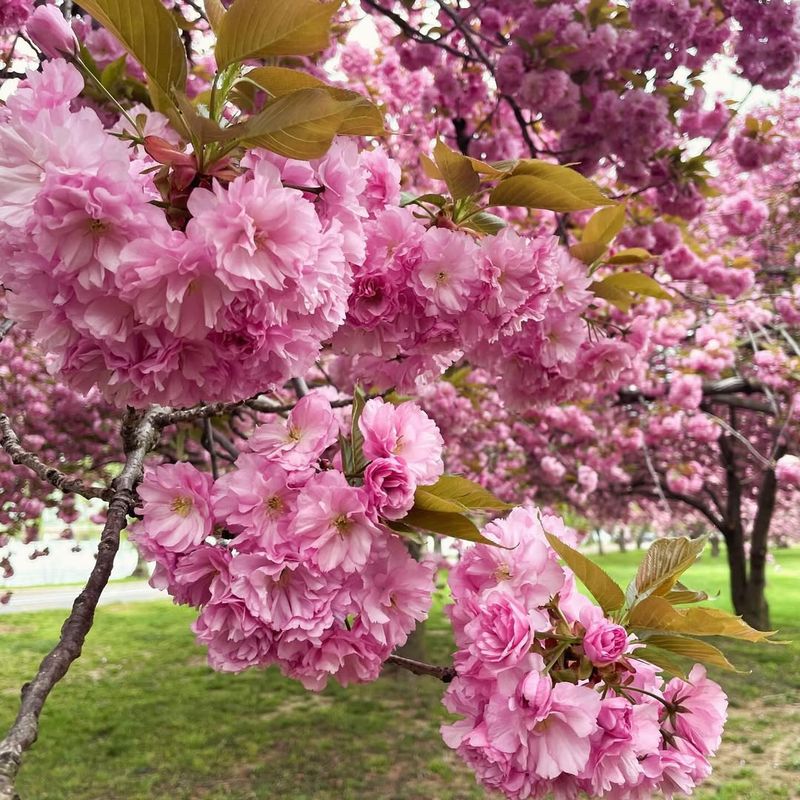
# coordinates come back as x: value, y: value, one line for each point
x: 289, y: 559
x: 552, y: 696
x: 579, y: 68
x: 224, y: 285
x: 239, y: 300
x: 425, y: 298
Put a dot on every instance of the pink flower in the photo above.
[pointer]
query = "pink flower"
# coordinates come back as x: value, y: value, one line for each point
x: 176, y: 506
x: 256, y: 501
x: 332, y: 521
x: 625, y: 734
x: 551, y: 722
x: 172, y: 283
x: 260, y: 233
x: 446, y: 276
x: 702, y: 710
x: 201, y: 575
x: 389, y: 487
x: 50, y: 32
x: 287, y: 597
x: 397, y: 592
x: 787, y: 471
x: 686, y: 391
x: 236, y: 640
x: 300, y: 440
x: 525, y: 567
x: 604, y: 642
x: 406, y: 432
x: 501, y: 634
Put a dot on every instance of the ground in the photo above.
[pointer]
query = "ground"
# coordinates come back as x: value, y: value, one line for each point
x: 141, y: 717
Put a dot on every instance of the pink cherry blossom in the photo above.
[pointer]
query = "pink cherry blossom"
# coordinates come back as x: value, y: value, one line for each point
x: 176, y: 505
x: 298, y: 441
x: 405, y: 432
x: 389, y: 487
x: 332, y: 521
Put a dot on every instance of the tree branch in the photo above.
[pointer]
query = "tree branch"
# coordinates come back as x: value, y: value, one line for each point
x: 141, y: 433
x: 413, y: 33
x: 9, y: 441
x: 444, y: 674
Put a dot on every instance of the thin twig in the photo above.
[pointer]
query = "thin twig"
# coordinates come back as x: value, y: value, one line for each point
x: 444, y: 674
x: 208, y: 443
x: 9, y: 441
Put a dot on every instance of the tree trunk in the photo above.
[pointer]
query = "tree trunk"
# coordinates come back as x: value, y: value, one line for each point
x: 737, y: 566
x: 733, y: 528
x: 714, y: 545
x: 599, y: 542
x: 621, y: 541
x: 756, y: 613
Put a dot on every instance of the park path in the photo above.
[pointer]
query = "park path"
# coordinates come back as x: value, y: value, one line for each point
x: 50, y: 597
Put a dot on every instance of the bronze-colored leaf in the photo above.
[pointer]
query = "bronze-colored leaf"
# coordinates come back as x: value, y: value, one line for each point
x: 261, y: 28
x: 597, y: 581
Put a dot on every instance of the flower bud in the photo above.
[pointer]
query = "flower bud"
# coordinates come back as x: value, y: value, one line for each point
x: 605, y: 642
x: 51, y: 33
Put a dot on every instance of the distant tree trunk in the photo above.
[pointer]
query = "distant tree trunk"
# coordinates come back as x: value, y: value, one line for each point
x: 599, y: 535
x: 140, y: 570
x: 640, y: 538
x: 621, y: 541
x: 756, y: 612
x: 748, y: 586
x: 714, y: 539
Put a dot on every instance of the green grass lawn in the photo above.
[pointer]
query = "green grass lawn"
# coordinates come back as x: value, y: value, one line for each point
x: 141, y: 717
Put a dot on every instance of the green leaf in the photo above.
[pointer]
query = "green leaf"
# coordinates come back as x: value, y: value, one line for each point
x: 537, y: 184
x: 215, y: 11
x: 447, y: 524
x: 262, y: 28
x: 459, y: 494
x: 113, y: 73
x: 456, y: 170
x: 203, y: 129
x: 149, y: 33
x: 299, y: 125
x: 364, y: 119
x: 665, y: 561
x: 657, y: 613
x: 408, y: 199
x: 619, y: 289
x: 425, y: 500
x: 660, y: 658
x: 604, y: 225
x: 694, y: 649
x: 588, y: 252
x: 633, y: 255
x: 599, y: 583
x: 484, y: 222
